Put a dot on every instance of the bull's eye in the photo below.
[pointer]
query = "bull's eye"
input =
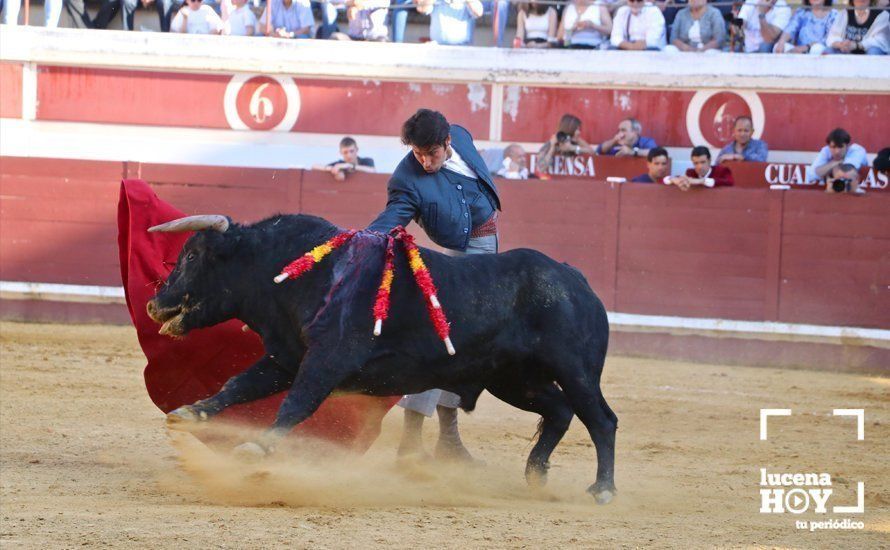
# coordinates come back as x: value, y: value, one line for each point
x: 190, y: 256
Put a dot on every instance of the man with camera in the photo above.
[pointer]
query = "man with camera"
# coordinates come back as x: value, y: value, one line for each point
x: 839, y: 149
x: 844, y: 178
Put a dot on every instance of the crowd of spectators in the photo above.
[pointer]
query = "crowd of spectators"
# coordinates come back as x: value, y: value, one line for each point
x: 816, y: 27
x: 838, y: 165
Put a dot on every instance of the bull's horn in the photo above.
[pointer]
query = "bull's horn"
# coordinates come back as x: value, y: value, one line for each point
x: 193, y: 223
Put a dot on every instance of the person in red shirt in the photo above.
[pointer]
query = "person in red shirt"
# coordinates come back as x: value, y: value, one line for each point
x: 702, y: 173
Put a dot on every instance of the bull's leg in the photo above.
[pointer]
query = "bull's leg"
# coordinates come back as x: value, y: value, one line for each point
x: 589, y: 404
x: 551, y: 403
x: 264, y: 378
x: 319, y: 374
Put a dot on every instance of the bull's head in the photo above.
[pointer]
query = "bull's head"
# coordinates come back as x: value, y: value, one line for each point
x: 199, y: 291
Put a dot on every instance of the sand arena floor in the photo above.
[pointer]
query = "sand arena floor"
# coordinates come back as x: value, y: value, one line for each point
x: 85, y: 460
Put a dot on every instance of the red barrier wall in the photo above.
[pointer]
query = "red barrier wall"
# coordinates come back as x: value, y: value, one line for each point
x: 674, y: 117
x: 10, y: 90
x: 726, y: 253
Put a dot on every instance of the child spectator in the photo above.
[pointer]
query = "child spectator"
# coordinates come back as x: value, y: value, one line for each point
x: 349, y: 161
x: 290, y: 19
x: 452, y: 22
x: 702, y: 173
x: 196, y: 18
x: 808, y: 29
x: 743, y: 147
x: 628, y: 142
x: 239, y: 19
x: 657, y: 164
x: 514, y: 165
x: 698, y: 28
x: 860, y: 30
x: 764, y: 21
x: 536, y: 26
x: 638, y: 26
x: 585, y: 25
x: 567, y: 141
x: 838, y: 150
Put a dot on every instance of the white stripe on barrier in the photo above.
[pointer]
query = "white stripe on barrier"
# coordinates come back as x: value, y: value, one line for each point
x: 763, y: 330
x: 622, y: 322
x: 54, y: 292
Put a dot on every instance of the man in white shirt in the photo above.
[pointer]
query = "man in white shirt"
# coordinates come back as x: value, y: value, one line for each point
x: 196, y: 18
x: 764, y: 22
x: 638, y: 26
x: 838, y: 150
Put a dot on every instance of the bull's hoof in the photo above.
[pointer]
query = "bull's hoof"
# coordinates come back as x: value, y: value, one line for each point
x: 249, y: 452
x: 536, y: 473
x: 601, y: 493
x: 185, y: 418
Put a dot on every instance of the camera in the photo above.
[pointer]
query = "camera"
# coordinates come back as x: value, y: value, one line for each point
x: 562, y: 137
x: 841, y: 185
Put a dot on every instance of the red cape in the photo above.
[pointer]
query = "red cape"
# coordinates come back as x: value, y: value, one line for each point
x: 182, y: 371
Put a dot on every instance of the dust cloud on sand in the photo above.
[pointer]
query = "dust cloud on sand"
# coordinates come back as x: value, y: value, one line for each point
x: 86, y: 460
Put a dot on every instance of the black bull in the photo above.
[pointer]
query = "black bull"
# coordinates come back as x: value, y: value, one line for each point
x: 526, y: 328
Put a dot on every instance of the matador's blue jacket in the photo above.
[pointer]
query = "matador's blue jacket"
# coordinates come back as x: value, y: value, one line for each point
x: 440, y: 202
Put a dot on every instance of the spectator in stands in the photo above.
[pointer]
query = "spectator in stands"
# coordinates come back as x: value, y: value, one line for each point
x: 859, y: 30
x: 52, y: 13
x: 349, y: 161
x: 514, y: 166
x: 698, y: 28
x: 108, y: 11
x: 744, y: 147
x: 400, y: 9
x: 702, y: 172
x: 670, y: 9
x: 839, y: 149
x: 196, y: 18
x: 567, y: 141
x: 367, y: 21
x: 844, y: 178
x: 499, y: 19
x: 452, y: 22
x: 638, y: 26
x: 657, y: 162
x: 239, y: 20
x: 628, y: 141
x: 290, y: 19
x: 882, y: 162
x: 764, y: 21
x: 585, y: 25
x: 808, y: 29
x: 536, y: 26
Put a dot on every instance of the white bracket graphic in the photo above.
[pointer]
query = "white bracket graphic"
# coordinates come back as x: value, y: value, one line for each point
x: 765, y: 413
x: 860, y: 502
x: 860, y: 420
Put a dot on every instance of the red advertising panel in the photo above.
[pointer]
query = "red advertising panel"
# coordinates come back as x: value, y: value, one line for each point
x: 683, y: 118
x: 761, y: 175
x: 590, y: 166
x: 10, y: 90
x: 252, y: 102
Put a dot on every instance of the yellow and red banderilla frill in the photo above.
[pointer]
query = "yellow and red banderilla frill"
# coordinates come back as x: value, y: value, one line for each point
x: 382, y: 301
